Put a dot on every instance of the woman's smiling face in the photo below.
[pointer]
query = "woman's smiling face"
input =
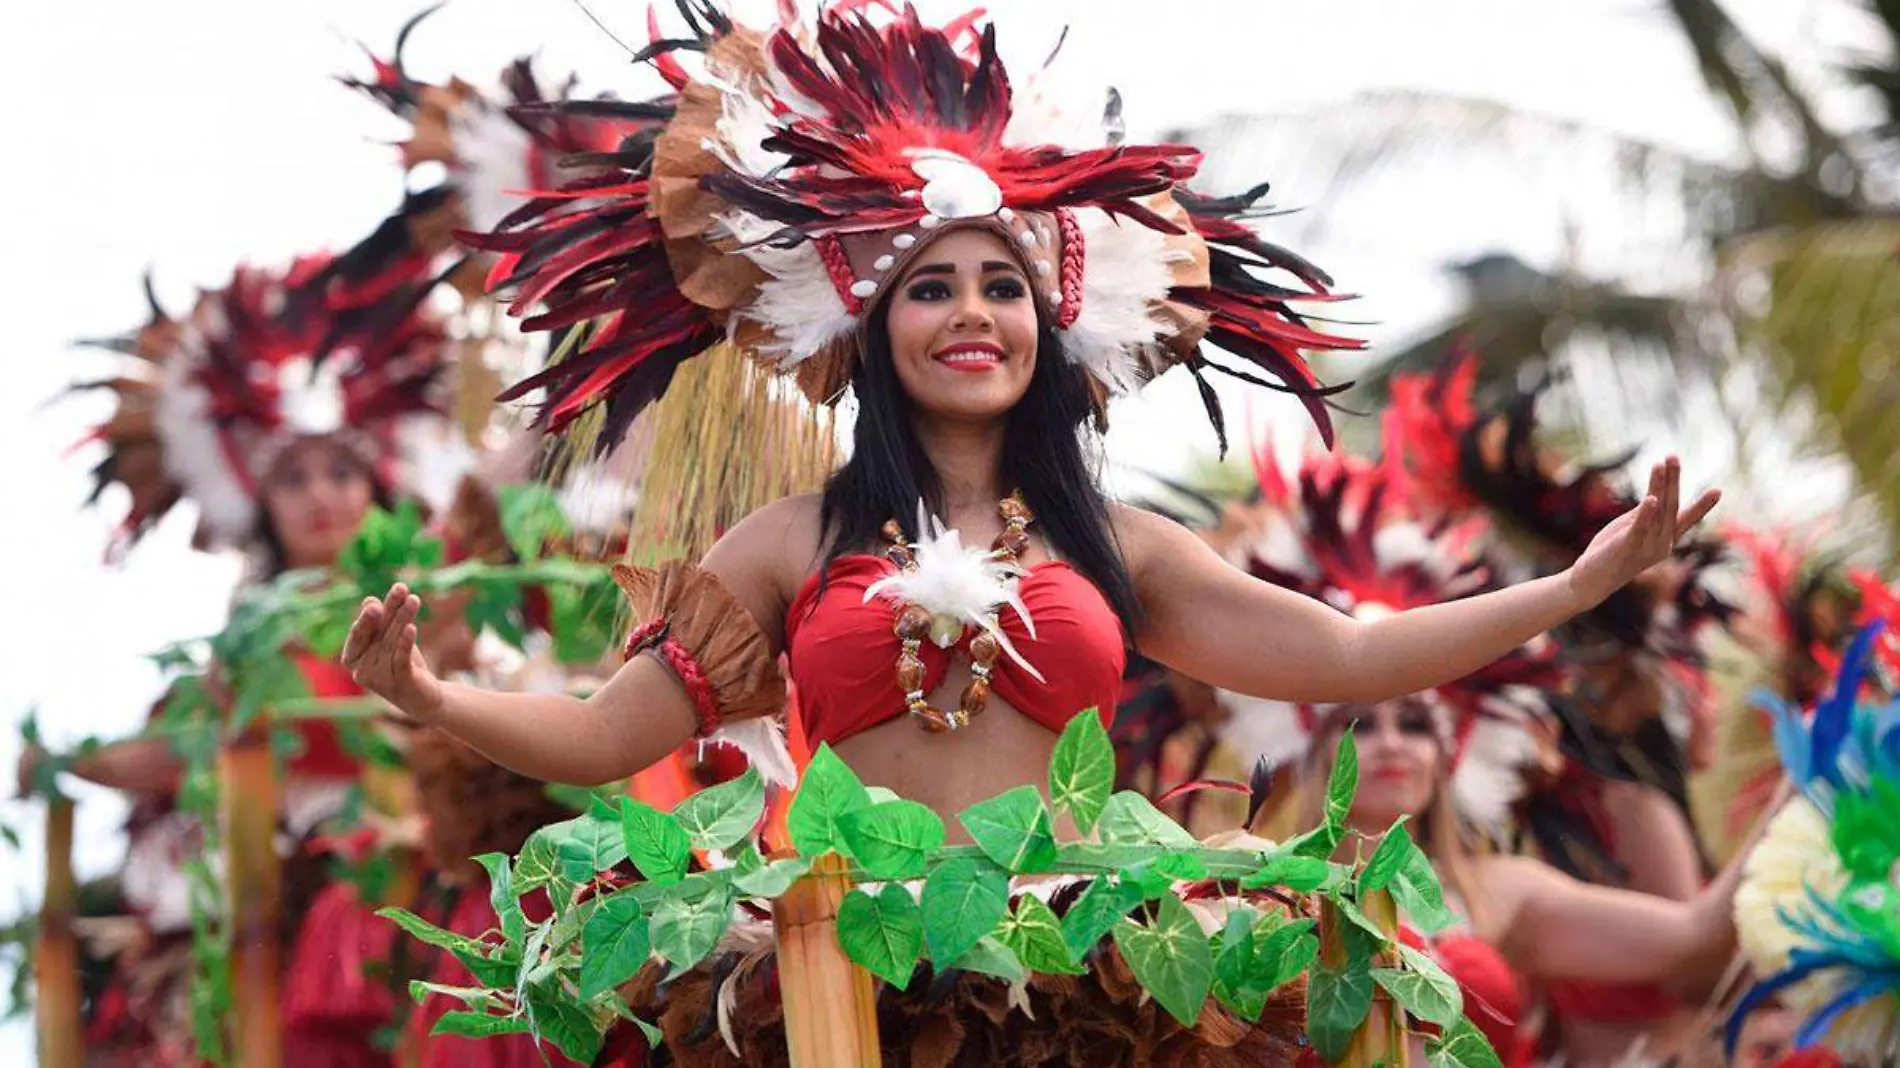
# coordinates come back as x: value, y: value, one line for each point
x: 962, y: 324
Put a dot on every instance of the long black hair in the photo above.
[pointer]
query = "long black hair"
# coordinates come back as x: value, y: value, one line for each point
x: 1043, y: 456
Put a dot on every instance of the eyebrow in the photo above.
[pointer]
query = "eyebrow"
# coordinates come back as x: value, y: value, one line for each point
x: 950, y: 268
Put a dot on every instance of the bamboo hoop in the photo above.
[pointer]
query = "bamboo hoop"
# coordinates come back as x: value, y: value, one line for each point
x: 830, y: 1004
x: 56, y: 957
x: 254, y: 890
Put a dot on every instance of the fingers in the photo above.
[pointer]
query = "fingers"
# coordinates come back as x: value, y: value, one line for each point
x: 1698, y: 511
x: 1671, y: 499
x: 363, y: 631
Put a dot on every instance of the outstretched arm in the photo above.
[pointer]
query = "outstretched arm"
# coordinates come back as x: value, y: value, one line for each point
x: 1212, y: 622
x: 642, y: 714
x: 1555, y: 927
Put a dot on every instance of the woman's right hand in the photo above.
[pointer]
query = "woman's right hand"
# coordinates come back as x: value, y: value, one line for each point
x: 383, y: 658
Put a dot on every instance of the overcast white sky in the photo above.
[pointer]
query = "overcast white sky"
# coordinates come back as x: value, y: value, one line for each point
x: 190, y: 134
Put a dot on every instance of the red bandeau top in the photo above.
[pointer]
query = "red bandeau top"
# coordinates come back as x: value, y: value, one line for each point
x: 844, y: 654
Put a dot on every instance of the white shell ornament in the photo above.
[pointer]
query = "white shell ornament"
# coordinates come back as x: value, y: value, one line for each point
x: 955, y: 188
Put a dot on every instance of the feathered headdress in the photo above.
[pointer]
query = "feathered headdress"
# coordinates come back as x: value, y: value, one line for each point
x: 273, y: 357
x: 135, y: 457
x: 1455, y: 458
x: 1359, y: 551
x: 807, y: 166
x: 494, y: 145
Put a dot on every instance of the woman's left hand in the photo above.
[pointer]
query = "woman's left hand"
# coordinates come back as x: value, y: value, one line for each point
x: 1639, y: 538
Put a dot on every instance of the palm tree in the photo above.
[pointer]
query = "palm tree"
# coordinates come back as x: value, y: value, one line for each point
x: 1782, y: 323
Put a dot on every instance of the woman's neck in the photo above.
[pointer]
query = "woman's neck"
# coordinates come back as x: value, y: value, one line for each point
x: 968, y: 458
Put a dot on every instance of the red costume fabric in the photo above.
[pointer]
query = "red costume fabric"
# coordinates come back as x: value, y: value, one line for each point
x: 842, y: 650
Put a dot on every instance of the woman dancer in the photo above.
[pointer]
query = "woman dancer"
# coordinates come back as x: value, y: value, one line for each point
x: 868, y: 207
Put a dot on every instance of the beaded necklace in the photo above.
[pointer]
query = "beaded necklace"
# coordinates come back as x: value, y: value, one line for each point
x: 914, y: 623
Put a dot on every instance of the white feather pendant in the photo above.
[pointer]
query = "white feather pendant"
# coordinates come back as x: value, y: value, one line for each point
x: 762, y: 740
x: 967, y: 585
x: 1125, y: 278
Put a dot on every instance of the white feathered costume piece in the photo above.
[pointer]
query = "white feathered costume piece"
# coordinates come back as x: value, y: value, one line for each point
x: 959, y: 588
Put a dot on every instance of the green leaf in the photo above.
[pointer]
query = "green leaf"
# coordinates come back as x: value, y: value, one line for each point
x: 993, y: 958
x: 1170, y: 958
x: 476, y: 998
x: 1338, y: 998
x: 567, y: 1025
x: 883, y: 934
x: 964, y: 899
x: 1299, y: 874
x: 531, y: 517
x: 1097, y: 911
x: 501, y: 895
x: 880, y: 794
x: 1416, y: 891
x: 429, y: 934
x: 495, y: 607
x: 1389, y: 859
x: 1157, y: 876
x: 539, y: 860
x: 1422, y: 996
x: 1462, y: 1046
x: 1131, y: 819
x: 591, y: 846
x: 1350, y: 909
x: 1272, y: 952
x: 719, y: 816
x: 655, y: 842
x: 893, y: 839
x: 1082, y: 770
x: 829, y: 791
x: 772, y: 879
x: 531, y: 969
x: 1034, y: 934
x: 1343, y: 782
x: 685, y: 929
x: 478, y: 1025
x: 614, y: 944
x: 1013, y: 829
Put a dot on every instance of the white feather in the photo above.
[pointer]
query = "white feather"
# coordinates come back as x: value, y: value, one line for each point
x: 1489, y: 778
x: 597, y: 500
x: 762, y: 740
x: 1257, y: 727
x: 491, y: 166
x: 965, y: 584
x: 796, y: 300
x: 195, y: 456
x: 1124, y: 280
x: 433, y: 457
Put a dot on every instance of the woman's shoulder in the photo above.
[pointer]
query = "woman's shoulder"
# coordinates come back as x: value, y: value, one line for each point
x: 786, y: 536
x: 1143, y: 534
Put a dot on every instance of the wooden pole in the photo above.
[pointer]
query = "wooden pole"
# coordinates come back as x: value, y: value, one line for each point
x: 56, y: 957
x: 254, y: 890
x: 1381, y: 1038
x: 830, y: 1004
